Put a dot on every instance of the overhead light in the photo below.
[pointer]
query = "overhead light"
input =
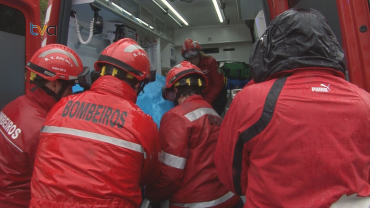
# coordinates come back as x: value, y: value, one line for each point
x: 174, y: 11
x: 156, y: 3
x: 175, y: 20
x: 122, y: 10
x: 142, y: 22
x: 218, y: 10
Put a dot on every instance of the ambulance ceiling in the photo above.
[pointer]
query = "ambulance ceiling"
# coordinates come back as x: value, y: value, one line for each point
x: 197, y: 13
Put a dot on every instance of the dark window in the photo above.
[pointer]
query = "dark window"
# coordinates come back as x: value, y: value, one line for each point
x: 292, y: 3
x: 329, y: 9
x: 229, y: 49
x: 12, y: 54
x: 210, y: 50
x: 12, y: 21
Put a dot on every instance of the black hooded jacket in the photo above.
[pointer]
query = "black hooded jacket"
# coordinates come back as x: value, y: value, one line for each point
x: 289, y: 44
x: 299, y: 136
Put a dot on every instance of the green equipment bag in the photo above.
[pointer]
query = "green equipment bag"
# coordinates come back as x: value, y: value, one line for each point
x: 237, y: 70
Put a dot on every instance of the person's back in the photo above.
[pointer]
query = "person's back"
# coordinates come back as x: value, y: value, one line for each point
x: 20, y: 124
x: 98, y: 148
x: 215, y: 93
x: 92, y: 149
x: 299, y: 137
x: 22, y: 119
x: 314, y: 148
x: 188, y: 135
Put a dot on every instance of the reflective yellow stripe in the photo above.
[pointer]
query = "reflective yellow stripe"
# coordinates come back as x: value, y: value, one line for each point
x: 128, y: 75
x: 102, y: 71
x: 188, y: 81
x: 33, y: 76
x: 115, y: 71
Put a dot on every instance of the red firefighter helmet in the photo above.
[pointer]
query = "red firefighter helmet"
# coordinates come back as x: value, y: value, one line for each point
x: 126, y: 55
x: 183, y: 69
x: 189, y: 44
x: 55, y: 61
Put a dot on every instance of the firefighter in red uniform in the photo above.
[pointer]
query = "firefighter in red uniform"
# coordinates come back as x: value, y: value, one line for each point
x: 216, y: 92
x: 188, y: 135
x: 98, y: 148
x: 22, y: 119
x: 299, y: 136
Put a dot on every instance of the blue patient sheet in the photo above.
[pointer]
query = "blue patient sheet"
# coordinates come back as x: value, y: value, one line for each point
x: 151, y: 102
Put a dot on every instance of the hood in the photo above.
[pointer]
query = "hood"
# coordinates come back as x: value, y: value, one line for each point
x: 296, y: 38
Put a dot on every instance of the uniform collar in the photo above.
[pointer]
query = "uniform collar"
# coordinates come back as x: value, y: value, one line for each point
x: 39, y: 96
x: 307, y: 70
x: 318, y: 70
x: 193, y: 97
x: 115, y: 86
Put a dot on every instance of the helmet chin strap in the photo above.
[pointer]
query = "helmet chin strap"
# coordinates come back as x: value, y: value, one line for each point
x: 56, y: 96
x: 64, y: 87
x: 59, y: 95
x: 141, y: 88
x: 176, y: 100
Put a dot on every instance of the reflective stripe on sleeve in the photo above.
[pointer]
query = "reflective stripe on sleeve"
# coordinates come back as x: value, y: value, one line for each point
x: 212, y: 203
x: 94, y: 136
x: 196, y: 114
x: 173, y: 160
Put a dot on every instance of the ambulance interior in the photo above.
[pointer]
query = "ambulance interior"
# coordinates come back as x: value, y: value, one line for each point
x: 225, y: 29
x: 157, y: 28
x: 227, y: 34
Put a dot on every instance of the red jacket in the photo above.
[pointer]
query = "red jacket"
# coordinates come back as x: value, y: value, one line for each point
x: 96, y: 149
x: 188, y: 135
x: 20, y: 124
x: 296, y: 141
x: 209, y: 67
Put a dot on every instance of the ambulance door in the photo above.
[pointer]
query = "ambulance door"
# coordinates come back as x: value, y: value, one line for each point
x: 17, y: 45
x: 354, y: 17
x: 57, y: 15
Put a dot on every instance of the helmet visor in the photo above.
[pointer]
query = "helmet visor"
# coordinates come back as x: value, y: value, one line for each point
x: 153, y: 73
x: 84, y: 79
x: 190, y: 53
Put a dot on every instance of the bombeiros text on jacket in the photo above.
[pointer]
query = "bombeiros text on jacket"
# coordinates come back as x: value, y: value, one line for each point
x: 9, y: 126
x: 95, y: 113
